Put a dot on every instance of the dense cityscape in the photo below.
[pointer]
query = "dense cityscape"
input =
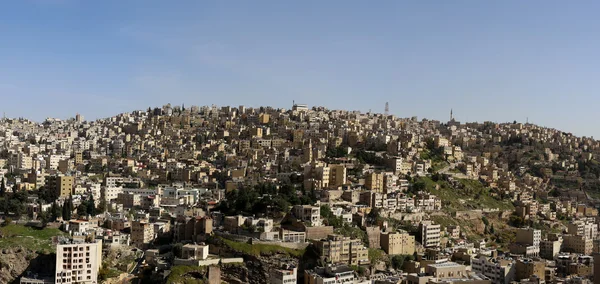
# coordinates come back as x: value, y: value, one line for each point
x: 222, y: 194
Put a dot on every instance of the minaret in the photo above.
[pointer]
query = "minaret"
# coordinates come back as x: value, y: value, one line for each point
x: 451, y: 117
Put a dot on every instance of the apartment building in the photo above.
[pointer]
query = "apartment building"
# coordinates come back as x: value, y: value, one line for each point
x: 397, y: 243
x: 527, y: 242
x: 78, y: 262
x: 340, y: 249
x: 526, y: 268
x: 142, y: 233
x: 375, y: 182
x: 308, y: 213
x: 446, y: 270
x: 129, y: 200
x: 430, y: 234
x: 498, y: 270
x: 578, y: 244
x: 61, y: 185
x: 583, y: 228
x: 337, y: 175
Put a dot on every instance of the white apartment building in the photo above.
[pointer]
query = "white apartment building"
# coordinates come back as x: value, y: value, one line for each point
x: 308, y: 213
x: 111, y: 193
x: 430, y: 233
x: 78, y: 262
x: 53, y: 160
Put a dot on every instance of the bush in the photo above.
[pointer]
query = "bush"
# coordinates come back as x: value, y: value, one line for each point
x: 7, y: 221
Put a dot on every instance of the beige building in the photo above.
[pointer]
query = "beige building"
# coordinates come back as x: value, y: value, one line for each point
x: 526, y: 268
x: 374, y: 182
x: 337, y: 175
x: 397, y: 243
x: 142, y: 233
x: 129, y: 200
x: 340, y: 249
x: 446, y: 270
x: 78, y: 262
x: 61, y: 185
x: 578, y: 244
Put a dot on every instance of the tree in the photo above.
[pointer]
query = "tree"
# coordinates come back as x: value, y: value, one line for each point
x: 82, y: 208
x: 397, y: 261
x: 16, y: 207
x: 67, y: 209
x: 54, y: 212
x: 102, y: 205
x: 2, y: 187
x: 91, y: 206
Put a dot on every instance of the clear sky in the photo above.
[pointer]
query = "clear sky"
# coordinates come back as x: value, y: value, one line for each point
x: 488, y: 60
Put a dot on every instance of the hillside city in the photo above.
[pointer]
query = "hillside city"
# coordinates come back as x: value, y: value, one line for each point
x: 209, y: 194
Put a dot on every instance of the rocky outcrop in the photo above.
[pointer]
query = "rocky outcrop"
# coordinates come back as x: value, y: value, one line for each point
x: 14, y: 262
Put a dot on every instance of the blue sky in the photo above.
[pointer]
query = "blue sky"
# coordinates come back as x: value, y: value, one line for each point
x: 488, y: 60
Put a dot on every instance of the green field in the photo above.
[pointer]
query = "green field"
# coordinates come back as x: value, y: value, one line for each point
x: 473, y: 196
x: 33, y: 239
x: 261, y: 249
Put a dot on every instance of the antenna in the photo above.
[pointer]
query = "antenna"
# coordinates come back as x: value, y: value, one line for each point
x: 387, y: 108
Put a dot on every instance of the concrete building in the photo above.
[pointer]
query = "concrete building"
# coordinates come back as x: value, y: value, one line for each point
x: 194, y: 251
x: 307, y: 213
x: 529, y: 236
x: 398, y: 243
x: 337, y: 175
x: 375, y: 182
x: 582, y: 228
x: 430, y: 234
x: 499, y: 271
x: 578, y: 244
x: 78, y: 262
x: 285, y: 275
x: 527, y: 268
x: 142, y: 233
x: 549, y: 249
x: 340, y: 249
x: 61, y: 185
x: 446, y: 270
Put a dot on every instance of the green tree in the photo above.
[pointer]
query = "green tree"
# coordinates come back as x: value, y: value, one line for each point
x: 2, y: 187
x: 91, y: 207
x: 68, y: 209
x: 82, y: 208
x: 102, y: 205
x: 54, y: 212
x: 397, y: 261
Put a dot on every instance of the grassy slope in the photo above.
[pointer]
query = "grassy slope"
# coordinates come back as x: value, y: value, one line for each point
x: 34, y: 239
x: 260, y: 249
x: 473, y: 196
